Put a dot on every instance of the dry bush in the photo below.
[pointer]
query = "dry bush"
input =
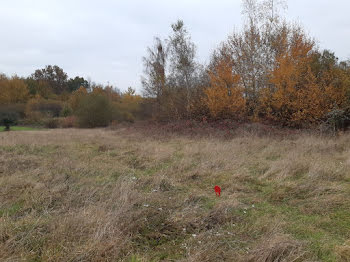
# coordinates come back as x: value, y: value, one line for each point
x: 68, y: 122
x: 34, y: 118
x: 51, y: 123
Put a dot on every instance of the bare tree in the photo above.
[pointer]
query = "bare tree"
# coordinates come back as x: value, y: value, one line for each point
x: 254, y: 50
x: 154, y: 81
x: 183, y: 67
x: 172, y: 76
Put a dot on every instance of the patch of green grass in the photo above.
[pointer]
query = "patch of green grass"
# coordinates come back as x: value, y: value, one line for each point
x: 320, y: 232
x: 273, y: 157
x: 134, y: 258
x: 208, y: 203
x: 12, y: 210
x: 21, y: 128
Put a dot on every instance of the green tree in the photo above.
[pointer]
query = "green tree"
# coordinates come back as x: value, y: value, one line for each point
x: 8, y: 118
x: 54, y: 76
x: 75, y: 83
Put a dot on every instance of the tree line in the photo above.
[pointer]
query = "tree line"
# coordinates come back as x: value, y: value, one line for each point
x: 270, y: 71
x: 48, y: 97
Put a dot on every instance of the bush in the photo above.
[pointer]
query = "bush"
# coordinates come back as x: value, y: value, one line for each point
x: 19, y: 109
x: 8, y: 118
x: 95, y: 110
x: 45, y: 106
x: 51, y: 123
x: 68, y: 122
x: 34, y: 118
x: 337, y: 119
x: 128, y: 117
x: 66, y: 111
x: 114, y: 124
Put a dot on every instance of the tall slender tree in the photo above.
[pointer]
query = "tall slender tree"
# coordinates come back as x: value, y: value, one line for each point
x: 155, y: 63
x: 183, y: 67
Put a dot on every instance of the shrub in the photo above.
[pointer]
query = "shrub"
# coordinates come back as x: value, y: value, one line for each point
x: 13, y: 91
x: 76, y: 98
x: 95, y: 110
x: 66, y: 111
x: 51, y: 123
x: 114, y: 124
x: 68, y: 122
x: 8, y: 118
x: 34, y: 118
x: 128, y: 117
x: 337, y: 119
x: 45, y: 106
x: 19, y: 109
x: 51, y: 107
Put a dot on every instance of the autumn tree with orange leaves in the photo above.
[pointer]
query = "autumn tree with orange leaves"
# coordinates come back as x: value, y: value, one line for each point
x: 224, y: 98
x: 297, y: 97
x: 13, y: 90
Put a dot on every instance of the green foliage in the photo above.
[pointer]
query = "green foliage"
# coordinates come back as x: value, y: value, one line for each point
x: 337, y: 119
x: 8, y: 118
x: 21, y: 128
x: 95, y: 110
x: 66, y: 111
x: 75, y: 83
x: 54, y: 76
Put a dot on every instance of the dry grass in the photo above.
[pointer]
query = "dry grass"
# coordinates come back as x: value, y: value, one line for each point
x: 121, y: 195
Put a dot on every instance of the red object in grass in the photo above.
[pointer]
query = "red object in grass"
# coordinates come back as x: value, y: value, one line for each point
x: 217, y: 190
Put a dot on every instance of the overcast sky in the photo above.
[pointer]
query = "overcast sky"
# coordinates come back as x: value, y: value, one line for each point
x: 106, y: 39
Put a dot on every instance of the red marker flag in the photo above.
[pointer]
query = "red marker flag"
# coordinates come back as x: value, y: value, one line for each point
x: 217, y: 190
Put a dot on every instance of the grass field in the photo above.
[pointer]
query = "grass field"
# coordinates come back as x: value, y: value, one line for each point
x: 20, y: 128
x: 122, y: 195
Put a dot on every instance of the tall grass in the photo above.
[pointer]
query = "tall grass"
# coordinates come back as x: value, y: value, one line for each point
x: 122, y: 195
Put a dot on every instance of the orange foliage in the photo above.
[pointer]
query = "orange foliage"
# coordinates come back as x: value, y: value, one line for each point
x: 224, y: 98
x: 296, y: 98
x: 129, y: 105
x: 111, y: 93
x: 13, y: 91
x: 76, y: 97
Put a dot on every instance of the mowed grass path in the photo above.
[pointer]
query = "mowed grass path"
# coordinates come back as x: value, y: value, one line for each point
x: 103, y: 195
